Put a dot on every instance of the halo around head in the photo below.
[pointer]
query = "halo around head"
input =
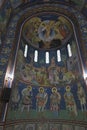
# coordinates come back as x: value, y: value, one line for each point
x: 68, y: 88
x: 54, y: 90
x: 41, y: 89
x: 29, y: 88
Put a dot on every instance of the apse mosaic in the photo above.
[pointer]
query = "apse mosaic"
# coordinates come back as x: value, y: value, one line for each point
x: 48, y: 91
x: 39, y: 73
x: 12, y: 28
x: 44, y: 33
x: 41, y: 91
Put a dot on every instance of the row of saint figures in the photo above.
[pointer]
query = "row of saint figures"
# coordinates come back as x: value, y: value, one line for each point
x: 26, y: 100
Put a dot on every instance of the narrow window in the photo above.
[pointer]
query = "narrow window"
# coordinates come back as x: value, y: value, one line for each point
x: 26, y: 50
x: 69, y: 50
x: 58, y: 56
x: 36, y: 56
x: 47, y: 58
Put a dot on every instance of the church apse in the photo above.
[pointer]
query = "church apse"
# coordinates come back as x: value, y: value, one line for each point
x: 49, y: 93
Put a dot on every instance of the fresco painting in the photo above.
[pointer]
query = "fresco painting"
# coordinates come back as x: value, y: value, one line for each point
x: 77, y: 4
x: 64, y: 72
x: 44, y: 126
x: 34, y: 102
x: 43, y: 76
x: 16, y: 3
x: 51, y: 91
x: 7, y: 10
x: 67, y: 127
x: 4, y: 17
x: 79, y: 128
x: 84, y: 10
x: 55, y: 126
x: 45, y: 93
x: 47, y: 33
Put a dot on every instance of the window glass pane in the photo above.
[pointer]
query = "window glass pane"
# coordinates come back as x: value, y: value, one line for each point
x: 69, y: 50
x: 25, y: 50
x: 36, y: 56
x: 58, y: 56
x: 47, y: 58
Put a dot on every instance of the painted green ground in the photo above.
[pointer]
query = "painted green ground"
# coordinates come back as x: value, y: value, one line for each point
x: 63, y: 114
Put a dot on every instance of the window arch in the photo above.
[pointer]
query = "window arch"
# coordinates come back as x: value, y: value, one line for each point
x: 25, y: 50
x: 69, y: 50
x: 58, y: 55
x: 35, y: 56
x: 47, y: 60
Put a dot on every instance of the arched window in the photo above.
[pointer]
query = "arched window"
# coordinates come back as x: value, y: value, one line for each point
x: 47, y: 58
x: 25, y: 50
x: 58, y: 55
x: 36, y: 56
x: 69, y: 50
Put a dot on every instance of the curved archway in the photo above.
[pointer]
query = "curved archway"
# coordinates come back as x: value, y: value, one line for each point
x: 23, y: 17
x: 62, y: 91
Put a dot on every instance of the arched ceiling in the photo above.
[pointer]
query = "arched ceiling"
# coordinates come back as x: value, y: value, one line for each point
x: 8, y: 7
x: 80, y: 5
x: 24, y: 13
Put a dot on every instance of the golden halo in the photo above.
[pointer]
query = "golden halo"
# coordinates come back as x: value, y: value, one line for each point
x: 68, y: 88
x: 54, y: 89
x: 41, y: 89
x: 29, y: 88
